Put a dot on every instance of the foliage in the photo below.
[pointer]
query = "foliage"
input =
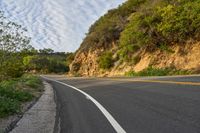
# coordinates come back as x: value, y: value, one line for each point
x: 105, y: 61
x: 12, y: 93
x: 12, y: 40
x: 47, y: 61
x: 180, y: 22
x: 143, y: 25
x: 165, y: 47
x: 136, y: 59
x: 8, y: 107
x: 126, y: 53
x: 18, y: 57
x: 31, y: 81
x: 70, y: 58
x: 46, y: 51
x: 161, y: 24
x: 76, y: 67
x: 108, y: 28
x: 150, y: 71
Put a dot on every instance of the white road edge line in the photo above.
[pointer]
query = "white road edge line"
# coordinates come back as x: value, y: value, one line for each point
x: 109, y: 117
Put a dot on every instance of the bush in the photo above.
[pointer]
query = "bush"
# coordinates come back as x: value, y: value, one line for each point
x: 125, y: 53
x: 180, y: 22
x: 161, y: 24
x: 31, y: 81
x: 13, y: 94
x: 105, y: 61
x: 165, y: 48
x: 136, y: 59
x: 150, y: 71
x: 9, y: 90
x: 8, y: 106
x: 15, y: 68
x: 108, y: 28
x: 75, y: 67
x: 46, y: 63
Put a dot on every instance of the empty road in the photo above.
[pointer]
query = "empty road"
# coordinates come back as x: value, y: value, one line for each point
x: 143, y: 105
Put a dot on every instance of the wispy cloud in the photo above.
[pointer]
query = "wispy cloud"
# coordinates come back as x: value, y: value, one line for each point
x: 57, y: 24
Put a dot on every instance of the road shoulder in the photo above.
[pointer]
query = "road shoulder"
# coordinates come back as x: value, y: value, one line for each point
x: 41, y: 117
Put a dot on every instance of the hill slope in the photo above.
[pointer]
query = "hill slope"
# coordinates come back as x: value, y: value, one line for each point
x: 141, y: 34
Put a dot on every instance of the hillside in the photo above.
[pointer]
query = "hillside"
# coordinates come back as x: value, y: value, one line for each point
x: 142, y: 34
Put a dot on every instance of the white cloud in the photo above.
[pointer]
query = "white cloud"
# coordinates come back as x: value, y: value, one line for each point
x: 57, y: 24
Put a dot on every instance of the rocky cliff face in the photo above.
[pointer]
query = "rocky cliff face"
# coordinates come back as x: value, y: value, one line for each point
x: 85, y: 63
x: 185, y: 57
x: 182, y: 57
x: 141, y: 34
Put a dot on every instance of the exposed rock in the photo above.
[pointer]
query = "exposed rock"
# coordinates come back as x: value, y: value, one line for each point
x: 184, y: 57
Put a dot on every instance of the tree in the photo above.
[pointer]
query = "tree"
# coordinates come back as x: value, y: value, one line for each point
x: 13, y: 39
x: 46, y: 51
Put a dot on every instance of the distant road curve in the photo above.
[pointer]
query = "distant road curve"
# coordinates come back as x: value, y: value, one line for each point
x: 132, y: 105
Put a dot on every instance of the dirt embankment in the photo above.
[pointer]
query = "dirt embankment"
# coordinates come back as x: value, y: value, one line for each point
x: 184, y: 57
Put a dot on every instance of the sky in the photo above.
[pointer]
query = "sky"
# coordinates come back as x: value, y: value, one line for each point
x: 57, y: 24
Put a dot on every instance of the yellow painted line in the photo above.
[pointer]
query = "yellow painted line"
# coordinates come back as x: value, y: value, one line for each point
x: 169, y: 82
x: 160, y: 81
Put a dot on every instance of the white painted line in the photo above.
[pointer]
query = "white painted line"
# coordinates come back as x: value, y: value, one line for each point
x: 109, y: 117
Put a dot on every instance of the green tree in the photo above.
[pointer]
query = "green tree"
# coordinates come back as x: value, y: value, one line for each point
x: 46, y: 51
x: 13, y: 39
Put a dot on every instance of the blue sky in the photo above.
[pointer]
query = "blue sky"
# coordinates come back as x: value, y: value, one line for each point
x: 57, y: 24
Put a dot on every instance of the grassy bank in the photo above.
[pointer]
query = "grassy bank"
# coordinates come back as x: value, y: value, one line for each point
x: 150, y: 71
x: 17, y: 91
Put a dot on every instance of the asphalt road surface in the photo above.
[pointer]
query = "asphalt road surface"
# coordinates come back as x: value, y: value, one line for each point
x: 146, y: 105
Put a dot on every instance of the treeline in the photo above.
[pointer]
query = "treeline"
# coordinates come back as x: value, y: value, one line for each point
x: 17, y: 56
x: 46, y: 61
x: 143, y: 24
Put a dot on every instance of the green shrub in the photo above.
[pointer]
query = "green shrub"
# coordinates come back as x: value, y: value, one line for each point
x: 161, y: 24
x: 105, y: 61
x: 31, y: 81
x: 46, y: 63
x: 151, y: 71
x: 108, y: 28
x: 75, y: 67
x: 165, y: 48
x: 125, y: 53
x: 180, y: 22
x: 13, y: 94
x: 8, y: 106
x: 136, y: 59
x: 133, y: 34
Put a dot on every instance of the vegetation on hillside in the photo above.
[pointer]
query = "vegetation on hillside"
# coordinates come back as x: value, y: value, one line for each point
x: 105, y: 60
x: 140, y: 25
x: 163, y: 23
x: 109, y: 26
x: 151, y: 71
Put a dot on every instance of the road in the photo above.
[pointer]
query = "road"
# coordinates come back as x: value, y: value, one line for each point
x: 143, y: 105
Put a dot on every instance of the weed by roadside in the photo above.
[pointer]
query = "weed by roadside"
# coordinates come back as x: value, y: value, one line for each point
x: 14, y: 92
x: 150, y: 71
